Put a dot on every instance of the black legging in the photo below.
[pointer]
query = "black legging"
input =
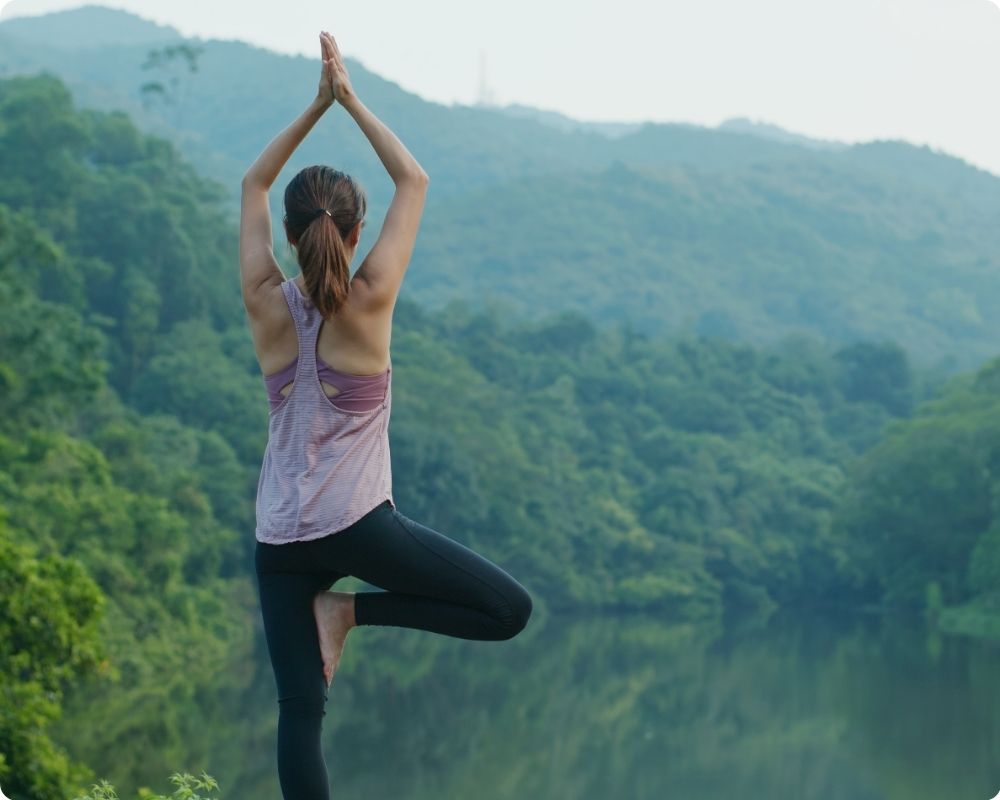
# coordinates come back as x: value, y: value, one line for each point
x: 433, y: 583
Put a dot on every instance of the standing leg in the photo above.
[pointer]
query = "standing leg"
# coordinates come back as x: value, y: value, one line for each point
x: 286, y: 600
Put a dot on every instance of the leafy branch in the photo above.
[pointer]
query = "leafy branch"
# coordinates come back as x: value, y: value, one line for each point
x: 171, y: 59
x: 188, y: 787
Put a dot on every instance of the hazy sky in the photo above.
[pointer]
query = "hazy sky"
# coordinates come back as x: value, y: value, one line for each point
x: 927, y: 71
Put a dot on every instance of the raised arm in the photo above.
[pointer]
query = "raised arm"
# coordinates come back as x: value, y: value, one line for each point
x: 381, y: 273
x: 385, y: 265
x: 259, y: 269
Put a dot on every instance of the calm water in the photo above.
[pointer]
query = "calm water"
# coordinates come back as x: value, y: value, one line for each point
x: 797, y: 707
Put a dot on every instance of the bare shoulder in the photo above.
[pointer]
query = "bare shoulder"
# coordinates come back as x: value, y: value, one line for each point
x: 356, y: 340
x: 368, y: 298
x: 370, y: 313
x: 267, y: 304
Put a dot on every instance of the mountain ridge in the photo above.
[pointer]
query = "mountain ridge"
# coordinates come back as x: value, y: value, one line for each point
x: 104, y: 26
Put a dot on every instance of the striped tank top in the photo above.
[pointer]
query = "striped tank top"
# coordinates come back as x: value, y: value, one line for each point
x: 324, y: 466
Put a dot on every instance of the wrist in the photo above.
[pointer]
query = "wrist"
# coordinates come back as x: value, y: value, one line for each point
x: 321, y: 104
x: 349, y: 101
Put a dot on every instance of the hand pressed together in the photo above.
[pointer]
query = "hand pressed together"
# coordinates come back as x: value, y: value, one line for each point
x: 334, y: 82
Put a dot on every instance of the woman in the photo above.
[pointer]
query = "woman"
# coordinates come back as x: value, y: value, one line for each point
x: 324, y: 500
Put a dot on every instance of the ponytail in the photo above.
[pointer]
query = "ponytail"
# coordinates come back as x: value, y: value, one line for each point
x: 322, y: 208
x: 322, y: 258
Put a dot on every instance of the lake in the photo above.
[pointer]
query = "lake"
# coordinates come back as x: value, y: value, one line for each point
x: 798, y: 706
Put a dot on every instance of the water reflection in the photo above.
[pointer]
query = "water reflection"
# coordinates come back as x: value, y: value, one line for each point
x: 838, y: 708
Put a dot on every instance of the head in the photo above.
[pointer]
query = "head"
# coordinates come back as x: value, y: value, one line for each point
x: 324, y: 243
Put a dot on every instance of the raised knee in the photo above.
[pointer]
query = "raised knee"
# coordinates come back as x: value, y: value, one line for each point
x: 520, y: 611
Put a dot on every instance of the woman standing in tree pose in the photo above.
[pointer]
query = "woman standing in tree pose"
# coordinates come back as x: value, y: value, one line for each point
x: 324, y: 500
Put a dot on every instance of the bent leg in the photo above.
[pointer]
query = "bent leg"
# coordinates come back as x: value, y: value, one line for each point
x: 433, y: 583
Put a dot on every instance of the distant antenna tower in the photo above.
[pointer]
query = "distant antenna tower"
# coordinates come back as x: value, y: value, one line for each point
x: 486, y: 95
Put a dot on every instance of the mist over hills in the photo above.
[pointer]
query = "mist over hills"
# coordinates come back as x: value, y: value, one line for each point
x: 743, y: 231
x: 241, y: 95
x: 557, y: 120
x: 768, y: 131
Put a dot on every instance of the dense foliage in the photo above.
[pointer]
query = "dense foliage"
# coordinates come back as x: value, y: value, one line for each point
x: 835, y: 244
x: 921, y: 513
x: 128, y: 555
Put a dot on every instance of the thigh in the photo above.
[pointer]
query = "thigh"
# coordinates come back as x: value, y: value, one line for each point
x: 286, y: 603
x: 325, y: 558
x: 399, y: 554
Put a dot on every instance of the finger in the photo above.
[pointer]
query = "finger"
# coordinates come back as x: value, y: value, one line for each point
x: 334, y: 52
x: 331, y: 46
x: 336, y: 49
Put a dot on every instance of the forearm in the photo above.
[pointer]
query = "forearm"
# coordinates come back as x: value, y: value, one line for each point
x: 264, y: 171
x: 394, y: 156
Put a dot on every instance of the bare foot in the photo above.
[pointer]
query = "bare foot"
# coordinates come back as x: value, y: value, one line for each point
x: 334, y: 612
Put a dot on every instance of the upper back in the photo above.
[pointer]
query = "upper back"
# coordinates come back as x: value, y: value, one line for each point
x: 356, y: 340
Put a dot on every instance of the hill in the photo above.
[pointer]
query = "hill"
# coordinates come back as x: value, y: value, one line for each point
x: 744, y: 231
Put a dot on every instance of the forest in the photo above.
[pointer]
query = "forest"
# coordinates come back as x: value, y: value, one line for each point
x: 615, y: 469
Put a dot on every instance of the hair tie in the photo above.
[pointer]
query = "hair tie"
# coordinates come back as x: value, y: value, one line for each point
x: 318, y: 211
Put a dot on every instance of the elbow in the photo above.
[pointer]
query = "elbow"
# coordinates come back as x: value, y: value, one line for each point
x: 417, y: 177
x: 251, y: 181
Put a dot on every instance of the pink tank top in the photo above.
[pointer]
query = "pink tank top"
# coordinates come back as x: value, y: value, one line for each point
x: 324, y: 466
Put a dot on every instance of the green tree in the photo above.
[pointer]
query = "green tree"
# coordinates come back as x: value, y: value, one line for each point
x: 49, y: 613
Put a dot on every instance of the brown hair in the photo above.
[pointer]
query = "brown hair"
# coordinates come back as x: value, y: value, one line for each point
x: 319, y: 236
